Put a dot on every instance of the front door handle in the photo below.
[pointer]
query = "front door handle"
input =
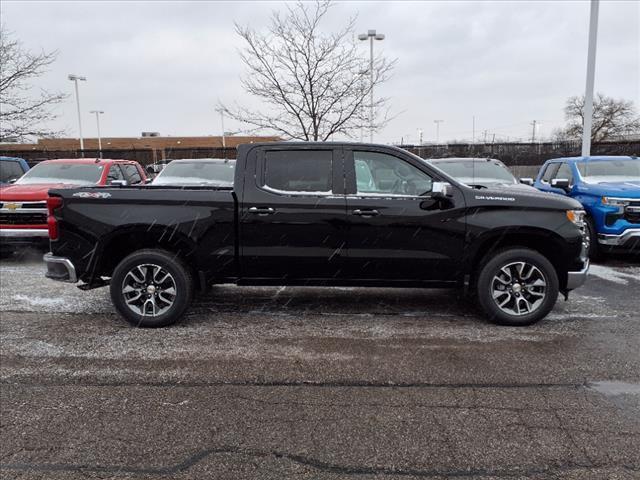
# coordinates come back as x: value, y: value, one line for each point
x: 262, y: 210
x: 366, y: 213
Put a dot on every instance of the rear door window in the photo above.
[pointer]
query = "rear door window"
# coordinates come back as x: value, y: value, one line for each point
x: 298, y: 171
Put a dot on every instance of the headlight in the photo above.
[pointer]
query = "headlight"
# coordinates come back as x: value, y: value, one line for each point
x: 576, y: 216
x: 620, y: 203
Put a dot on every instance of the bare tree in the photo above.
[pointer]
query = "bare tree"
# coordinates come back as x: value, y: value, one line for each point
x: 611, y: 118
x: 313, y: 84
x: 23, y: 114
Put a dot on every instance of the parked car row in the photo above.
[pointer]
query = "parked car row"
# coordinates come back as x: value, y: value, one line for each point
x: 23, y: 210
x: 607, y: 187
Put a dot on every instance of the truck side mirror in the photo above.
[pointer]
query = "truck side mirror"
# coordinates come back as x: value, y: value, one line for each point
x: 562, y: 183
x: 441, y: 190
x: 527, y: 181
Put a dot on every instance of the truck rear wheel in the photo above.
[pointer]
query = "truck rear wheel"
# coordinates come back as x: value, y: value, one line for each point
x: 517, y: 287
x: 151, y: 288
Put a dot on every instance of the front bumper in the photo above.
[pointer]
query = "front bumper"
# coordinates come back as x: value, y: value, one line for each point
x: 15, y: 237
x: 60, y: 268
x: 630, y: 235
x: 577, y: 279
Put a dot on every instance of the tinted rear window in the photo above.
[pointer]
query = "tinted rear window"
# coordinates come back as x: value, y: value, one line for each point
x: 298, y: 171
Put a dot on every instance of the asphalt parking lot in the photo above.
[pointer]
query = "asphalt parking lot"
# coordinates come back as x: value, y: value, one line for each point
x: 319, y: 383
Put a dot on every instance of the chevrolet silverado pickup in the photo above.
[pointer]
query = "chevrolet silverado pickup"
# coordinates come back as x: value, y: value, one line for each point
x: 319, y: 214
x: 23, y: 210
x: 608, y: 187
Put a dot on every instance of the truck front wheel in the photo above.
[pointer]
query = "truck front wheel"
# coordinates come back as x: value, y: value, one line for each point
x: 151, y: 288
x: 517, y: 287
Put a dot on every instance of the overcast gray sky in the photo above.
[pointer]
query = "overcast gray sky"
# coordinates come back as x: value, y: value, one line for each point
x: 161, y: 66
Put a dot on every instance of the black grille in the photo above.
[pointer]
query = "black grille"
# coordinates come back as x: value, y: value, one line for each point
x: 23, y: 218
x: 632, y: 217
x: 34, y: 205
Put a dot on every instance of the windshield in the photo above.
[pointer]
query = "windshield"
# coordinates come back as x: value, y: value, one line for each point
x: 58, y: 172
x: 198, y: 172
x: 477, y: 172
x: 598, y: 171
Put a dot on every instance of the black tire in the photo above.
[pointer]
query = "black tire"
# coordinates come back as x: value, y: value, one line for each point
x: 595, y: 253
x: 6, y: 252
x: 491, y: 267
x: 181, y: 282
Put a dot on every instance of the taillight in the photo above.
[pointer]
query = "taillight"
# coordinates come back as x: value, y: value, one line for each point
x: 53, y: 203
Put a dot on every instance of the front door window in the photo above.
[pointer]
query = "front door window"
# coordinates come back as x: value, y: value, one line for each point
x: 383, y: 174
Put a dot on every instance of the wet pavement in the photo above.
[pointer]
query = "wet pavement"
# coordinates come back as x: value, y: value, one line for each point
x: 319, y: 383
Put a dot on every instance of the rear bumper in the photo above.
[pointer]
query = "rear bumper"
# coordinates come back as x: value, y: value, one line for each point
x: 629, y: 236
x: 577, y: 279
x: 60, y: 269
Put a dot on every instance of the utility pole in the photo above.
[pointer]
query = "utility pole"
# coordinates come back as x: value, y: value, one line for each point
x: 484, y: 134
x: 98, y: 113
x: 473, y: 135
x: 591, y: 72
x: 75, y: 78
x: 371, y: 35
x: 438, y: 122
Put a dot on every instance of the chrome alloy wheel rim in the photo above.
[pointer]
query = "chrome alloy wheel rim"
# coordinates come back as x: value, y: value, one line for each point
x: 149, y: 290
x: 519, y: 288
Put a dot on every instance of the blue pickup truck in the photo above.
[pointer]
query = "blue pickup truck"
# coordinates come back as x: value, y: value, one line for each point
x: 609, y: 189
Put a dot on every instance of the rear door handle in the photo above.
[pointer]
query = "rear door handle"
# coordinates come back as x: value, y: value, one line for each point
x: 366, y: 213
x: 262, y: 210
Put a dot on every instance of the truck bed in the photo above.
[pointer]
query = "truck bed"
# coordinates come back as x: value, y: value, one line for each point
x: 188, y: 218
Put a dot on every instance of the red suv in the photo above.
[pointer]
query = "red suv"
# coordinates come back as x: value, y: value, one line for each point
x: 23, y: 205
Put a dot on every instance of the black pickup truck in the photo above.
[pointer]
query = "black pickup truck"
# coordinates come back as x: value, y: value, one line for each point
x: 319, y: 214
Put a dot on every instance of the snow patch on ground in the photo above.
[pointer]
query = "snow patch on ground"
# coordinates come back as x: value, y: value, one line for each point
x: 39, y: 302
x: 613, y: 275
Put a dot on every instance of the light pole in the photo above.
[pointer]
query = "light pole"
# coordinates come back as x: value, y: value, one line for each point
x: 591, y: 72
x: 221, y: 112
x: 98, y: 113
x: 74, y: 79
x: 438, y: 122
x: 371, y: 35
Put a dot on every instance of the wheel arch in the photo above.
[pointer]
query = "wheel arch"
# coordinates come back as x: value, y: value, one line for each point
x: 125, y: 241
x: 545, y: 242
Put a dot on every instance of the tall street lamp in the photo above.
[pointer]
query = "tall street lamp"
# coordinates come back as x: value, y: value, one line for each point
x: 98, y: 113
x: 591, y: 72
x: 438, y: 122
x: 220, y: 110
x: 371, y: 35
x: 74, y: 79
